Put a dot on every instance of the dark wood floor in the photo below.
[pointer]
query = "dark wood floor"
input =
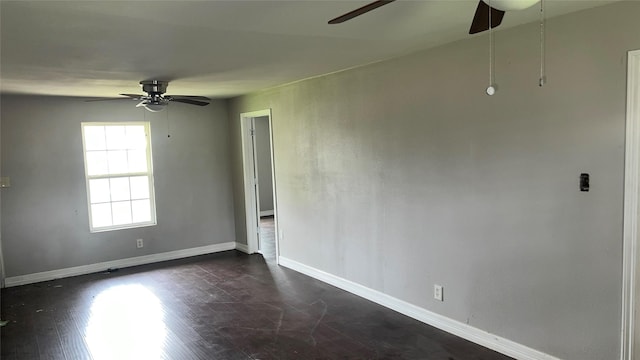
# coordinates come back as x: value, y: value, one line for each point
x: 221, y: 306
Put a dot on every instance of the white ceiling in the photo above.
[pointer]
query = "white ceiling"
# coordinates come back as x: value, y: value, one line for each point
x: 217, y: 48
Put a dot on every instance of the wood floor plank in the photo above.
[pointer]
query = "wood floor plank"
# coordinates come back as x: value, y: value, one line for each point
x: 71, y: 338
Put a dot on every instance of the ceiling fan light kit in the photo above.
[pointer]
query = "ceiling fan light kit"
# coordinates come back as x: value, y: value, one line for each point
x: 512, y: 5
x: 153, y: 107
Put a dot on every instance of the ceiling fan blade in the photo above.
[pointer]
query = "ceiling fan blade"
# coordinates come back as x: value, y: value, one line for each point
x: 133, y: 96
x: 191, y: 97
x: 128, y: 97
x: 106, y: 99
x: 480, y: 21
x: 189, y: 101
x: 359, y: 11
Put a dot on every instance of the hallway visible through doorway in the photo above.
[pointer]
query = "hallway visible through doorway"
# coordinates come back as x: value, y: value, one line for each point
x: 268, y: 238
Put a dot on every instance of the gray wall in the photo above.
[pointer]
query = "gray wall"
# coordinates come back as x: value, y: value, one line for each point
x: 263, y: 152
x: 402, y: 174
x: 44, y: 213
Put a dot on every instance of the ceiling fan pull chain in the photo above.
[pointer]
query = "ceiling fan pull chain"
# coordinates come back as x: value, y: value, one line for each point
x: 490, y: 48
x: 168, y: 124
x: 491, y: 89
x: 543, y: 78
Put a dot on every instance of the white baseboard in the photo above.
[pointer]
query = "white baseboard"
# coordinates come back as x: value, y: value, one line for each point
x: 242, y: 247
x: 478, y: 336
x: 122, y: 263
x: 266, y: 213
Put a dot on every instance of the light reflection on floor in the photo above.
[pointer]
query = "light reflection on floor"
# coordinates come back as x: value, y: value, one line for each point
x: 126, y: 322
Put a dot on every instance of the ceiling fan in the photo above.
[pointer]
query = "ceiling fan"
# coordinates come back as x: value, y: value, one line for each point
x: 155, y: 100
x: 487, y: 9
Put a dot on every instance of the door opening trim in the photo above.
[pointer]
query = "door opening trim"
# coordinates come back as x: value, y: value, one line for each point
x: 252, y: 216
x: 631, y: 203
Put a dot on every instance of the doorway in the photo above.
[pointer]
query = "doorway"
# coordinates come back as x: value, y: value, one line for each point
x: 630, y: 348
x: 259, y: 183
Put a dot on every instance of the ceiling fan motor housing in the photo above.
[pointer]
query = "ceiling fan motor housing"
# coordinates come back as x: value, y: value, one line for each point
x: 154, y: 87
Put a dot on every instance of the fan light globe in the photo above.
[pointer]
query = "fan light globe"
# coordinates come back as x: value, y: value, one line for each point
x: 154, y: 107
x: 510, y: 5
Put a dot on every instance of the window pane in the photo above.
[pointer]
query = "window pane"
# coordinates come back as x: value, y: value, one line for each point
x: 136, y: 138
x: 141, y: 210
x: 94, y: 138
x: 121, y: 212
x: 120, y: 189
x: 137, y: 160
x: 116, y: 138
x: 101, y: 215
x: 97, y: 163
x: 117, y: 162
x: 139, y: 187
x: 119, y: 177
x: 99, y: 190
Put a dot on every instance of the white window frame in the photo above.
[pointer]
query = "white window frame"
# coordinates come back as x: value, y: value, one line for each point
x: 148, y: 173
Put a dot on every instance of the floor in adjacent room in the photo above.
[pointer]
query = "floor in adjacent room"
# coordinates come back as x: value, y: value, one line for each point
x: 220, y: 306
x: 268, y: 238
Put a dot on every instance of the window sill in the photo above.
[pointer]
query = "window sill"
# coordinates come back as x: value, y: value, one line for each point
x: 122, y: 227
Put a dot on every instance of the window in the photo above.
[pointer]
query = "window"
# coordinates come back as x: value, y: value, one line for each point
x: 119, y: 174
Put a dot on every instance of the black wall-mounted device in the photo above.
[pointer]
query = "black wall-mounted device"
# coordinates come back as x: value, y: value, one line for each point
x: 584, y: 182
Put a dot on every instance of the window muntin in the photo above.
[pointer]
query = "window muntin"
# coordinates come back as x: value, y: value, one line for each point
x: 119, y: 175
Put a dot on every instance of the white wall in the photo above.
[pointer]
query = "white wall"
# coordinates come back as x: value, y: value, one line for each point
x: 402, y: 174
x: 44, y: 213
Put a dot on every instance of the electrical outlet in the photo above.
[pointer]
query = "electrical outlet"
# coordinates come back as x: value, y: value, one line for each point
x: 139, y: 243
x: 438, y: 292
